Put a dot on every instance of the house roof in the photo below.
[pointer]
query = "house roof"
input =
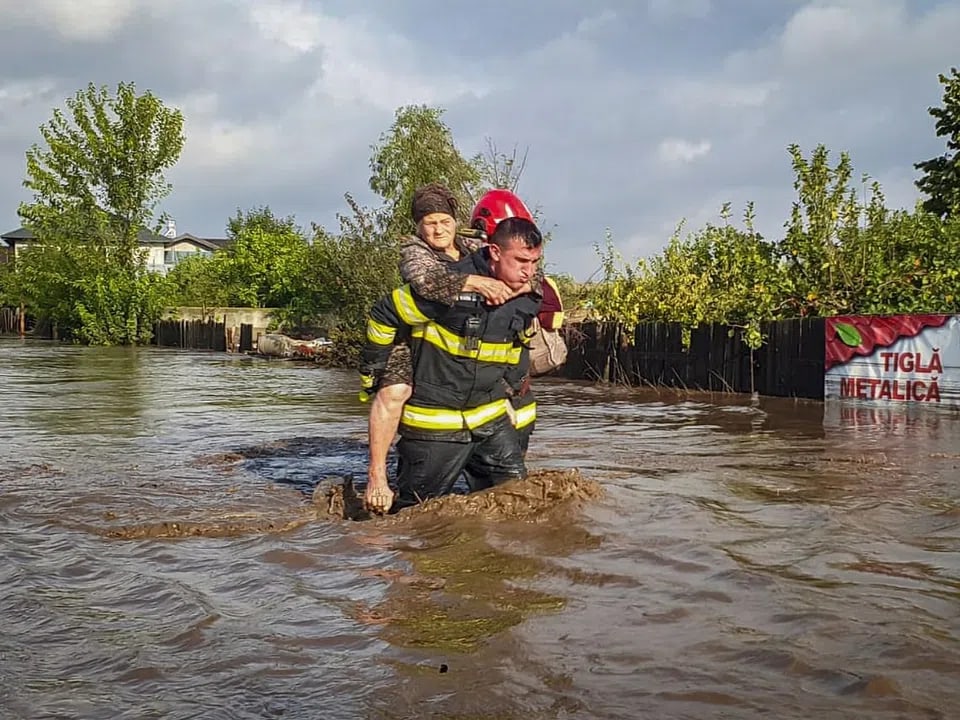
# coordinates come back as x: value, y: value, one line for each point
x: 18, y: 234
x: 208, y: 243
x: 144, y: 236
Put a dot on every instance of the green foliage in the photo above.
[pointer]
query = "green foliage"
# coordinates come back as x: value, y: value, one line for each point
x: 823, y: 229
x: 50, y: 278
x: 418, y: 149
x: 96, y: 183
x: 118, y: 304
x: 839, y: 255
x: 941, y: 175
x: 88, y: 297
x: 349, y: 271
x: 719, y: 274
x: 261, y: 264
x: 103, y: 165
x: 196, y: 282
x: 9, y: 291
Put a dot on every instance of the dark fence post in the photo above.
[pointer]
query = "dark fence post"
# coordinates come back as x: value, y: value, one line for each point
x: 789, y: 363
x: 194, y: 334
x: 219, y: 338
x: 246, y: 338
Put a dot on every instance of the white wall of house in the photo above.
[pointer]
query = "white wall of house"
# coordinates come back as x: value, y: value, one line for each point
x: 155, y: 258
x: 185, y: 246
x: 161, y: 257
x: 180, y: 251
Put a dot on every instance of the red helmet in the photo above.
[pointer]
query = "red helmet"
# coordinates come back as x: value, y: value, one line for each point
x: 495, y: 206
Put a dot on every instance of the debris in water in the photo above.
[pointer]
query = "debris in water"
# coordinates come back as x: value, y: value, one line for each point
x: 532, y: 499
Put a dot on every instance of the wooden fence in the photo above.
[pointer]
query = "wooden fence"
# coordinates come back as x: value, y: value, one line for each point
x: 200, y: 335
x: 789, y: 364
x: 187, y: 334
x: 9, y: 320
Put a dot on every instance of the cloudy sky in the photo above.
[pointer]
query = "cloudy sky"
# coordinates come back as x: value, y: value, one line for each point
x: 636, y: 114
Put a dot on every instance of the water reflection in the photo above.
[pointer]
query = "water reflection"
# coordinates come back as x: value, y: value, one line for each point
x: 83, y: 391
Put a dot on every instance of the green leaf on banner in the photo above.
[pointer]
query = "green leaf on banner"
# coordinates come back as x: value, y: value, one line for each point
x: 848, y: 334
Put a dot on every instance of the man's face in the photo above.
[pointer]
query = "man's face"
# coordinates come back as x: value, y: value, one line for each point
x: 438, y: 230
x: 515, y: 264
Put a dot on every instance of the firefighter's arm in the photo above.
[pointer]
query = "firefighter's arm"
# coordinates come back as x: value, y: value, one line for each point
x: 517, y: 377
x: 383, y: 322
x: 401, y: 308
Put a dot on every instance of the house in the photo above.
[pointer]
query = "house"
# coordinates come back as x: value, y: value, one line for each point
x: 14, y: 238
x: 177, y: 248
x: 164, y: 251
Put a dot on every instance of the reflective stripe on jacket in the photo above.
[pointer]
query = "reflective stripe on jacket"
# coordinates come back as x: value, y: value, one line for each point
x: 464, y: 356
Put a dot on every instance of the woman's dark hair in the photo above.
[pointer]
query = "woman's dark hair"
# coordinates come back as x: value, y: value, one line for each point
x: 517, y: 227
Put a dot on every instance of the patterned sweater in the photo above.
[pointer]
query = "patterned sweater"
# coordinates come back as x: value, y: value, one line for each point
x: 430, y: 274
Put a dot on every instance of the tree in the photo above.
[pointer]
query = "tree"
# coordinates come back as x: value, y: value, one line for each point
x: 96, y: 184
x: 262, y: 264
x: 499, y: 170
x: 941, y: 175
x: 196, y: 282
x: 418, y: 149
x: 342, y: 276
x: 824, y: 222
x: 104, y: 164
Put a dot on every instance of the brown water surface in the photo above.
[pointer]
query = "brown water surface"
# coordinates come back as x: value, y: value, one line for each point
x: 169, y: 552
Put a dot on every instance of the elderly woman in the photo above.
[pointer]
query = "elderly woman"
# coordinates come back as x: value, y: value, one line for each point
x: 425, y: 260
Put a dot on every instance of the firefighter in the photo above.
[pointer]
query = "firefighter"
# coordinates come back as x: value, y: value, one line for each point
x: 548, y: 349
x: 427, y: 263
x: 466, y: 359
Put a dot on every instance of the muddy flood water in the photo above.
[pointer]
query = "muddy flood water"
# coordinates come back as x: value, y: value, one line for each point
x: 173, y: 546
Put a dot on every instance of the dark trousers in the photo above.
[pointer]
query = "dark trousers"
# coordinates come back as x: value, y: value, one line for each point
x: 519, y: 402
x: 429, y: 468
x: 525, y: 433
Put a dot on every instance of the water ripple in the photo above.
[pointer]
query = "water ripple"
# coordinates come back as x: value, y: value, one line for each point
x: 749, y: 558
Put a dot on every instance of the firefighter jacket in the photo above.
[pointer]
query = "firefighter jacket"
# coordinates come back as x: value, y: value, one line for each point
x: 550, y: 320
x: 466, y: 357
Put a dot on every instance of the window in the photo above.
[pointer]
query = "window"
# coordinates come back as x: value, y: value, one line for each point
x: 173, y: 257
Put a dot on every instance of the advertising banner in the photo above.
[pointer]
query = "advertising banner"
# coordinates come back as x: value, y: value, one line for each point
x: 893, y: 359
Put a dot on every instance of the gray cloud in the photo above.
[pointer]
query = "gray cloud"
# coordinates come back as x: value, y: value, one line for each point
x: 636, y: 115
